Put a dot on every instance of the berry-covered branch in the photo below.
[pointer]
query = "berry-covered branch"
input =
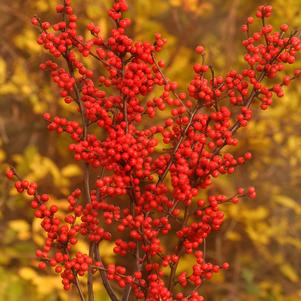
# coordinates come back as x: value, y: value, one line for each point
x: 143, y: 176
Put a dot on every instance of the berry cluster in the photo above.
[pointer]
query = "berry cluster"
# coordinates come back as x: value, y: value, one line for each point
x: 144, y: 197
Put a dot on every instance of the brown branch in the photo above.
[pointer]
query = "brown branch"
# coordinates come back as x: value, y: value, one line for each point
x: 84, y: 124
x: 178, y: 251
x: 86, y: 171
x: 127, y: 293
x: 77, y: 285
x: 213, y: 87
x: 166, y: 81
x: 125, y: 113
x: 76, y: 281
x: 90, y: 274
x: 248, y: 102
x: 194, y: 290
x: 183, y: 136
x: 92, y: 53
x: 124, y: 101
x: 104, y: 277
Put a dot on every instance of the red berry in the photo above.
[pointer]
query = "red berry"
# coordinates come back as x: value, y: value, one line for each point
x: 42, y: 265
x: 199, y: 49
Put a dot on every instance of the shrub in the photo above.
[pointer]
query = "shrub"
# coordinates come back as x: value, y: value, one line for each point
x: 143, y: 175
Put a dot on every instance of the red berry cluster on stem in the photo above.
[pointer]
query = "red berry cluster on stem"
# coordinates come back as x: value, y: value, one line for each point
x: 144, y: 194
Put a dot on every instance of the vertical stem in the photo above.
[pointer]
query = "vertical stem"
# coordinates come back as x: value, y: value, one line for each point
x: 125, y: 113
x: 85, y: 128
x: 87, y: 183
x: 127, y: 293
x: 162, y: 177
x: 90, y: 275
x: 178, y: 251
x: 124, y: 102
x: 104, y: 278
x: 80, y: 292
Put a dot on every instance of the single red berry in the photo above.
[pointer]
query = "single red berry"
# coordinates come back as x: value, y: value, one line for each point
x: 42, y: 265
x: 35, y: 21
x: 199, y: 49
x: 284, y: 27
x: 10, y: 173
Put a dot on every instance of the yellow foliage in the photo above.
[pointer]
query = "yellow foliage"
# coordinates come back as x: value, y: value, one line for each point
x: 27, y: 40
x: 81, y: 246
x: 288, y: 203
x: 259, y: 233
x: 47, y: 284
x: 42, y: 5
x: 71, y: 170
x: 44, y: 284
x: 185, y: 264
x: 255, y: 215
x: 232, y: 235
x: 2, y: 156
x: 289, y: 272
x: 287, y: 240
x: 21, y: 227
x: 2, y: 71
x: 37, y: 235
x: 175, y: 2
x: 106, y: 249
x: 28, y: 273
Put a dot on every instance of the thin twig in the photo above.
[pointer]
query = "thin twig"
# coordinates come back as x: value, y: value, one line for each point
x: 248, y: 102
x: 125, y: 102
x: 80, y: 292
x: 127, y: 293
x: 183, y: 136
x: 84, y: 125
x: 90, y: 274
x: 178, y: 251
x: 104, y: 278
x: 166, y: 81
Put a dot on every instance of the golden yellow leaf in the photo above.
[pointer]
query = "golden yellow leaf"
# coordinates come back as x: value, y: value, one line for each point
x: 81, y: 246
x: 47, y: 284
x: 258, y: 234
x: 28, y: 273
x: 256, y: 214
x: 2, y: 71
x: 44, y: 284
x: 27, y: 40
x: 232, y: 235
x: 37, y: 236
x: 287, y: 202
x: 185, y: 264
x: 175, y: 2
x: 71, y: 170
x: 21, y: 227
x: 290, y: 241
x: 289, y: 272
x: 106, y: 249
x: 42, y: 5
x: 2, y: 155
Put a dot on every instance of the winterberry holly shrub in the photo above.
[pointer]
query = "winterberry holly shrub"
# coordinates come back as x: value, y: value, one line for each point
x: 143, y: 176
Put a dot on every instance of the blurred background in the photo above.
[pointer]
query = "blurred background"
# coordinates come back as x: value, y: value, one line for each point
x: 261, y: 238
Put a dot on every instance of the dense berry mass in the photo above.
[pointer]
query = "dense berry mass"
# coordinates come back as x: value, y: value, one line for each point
x: 149, y: 175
